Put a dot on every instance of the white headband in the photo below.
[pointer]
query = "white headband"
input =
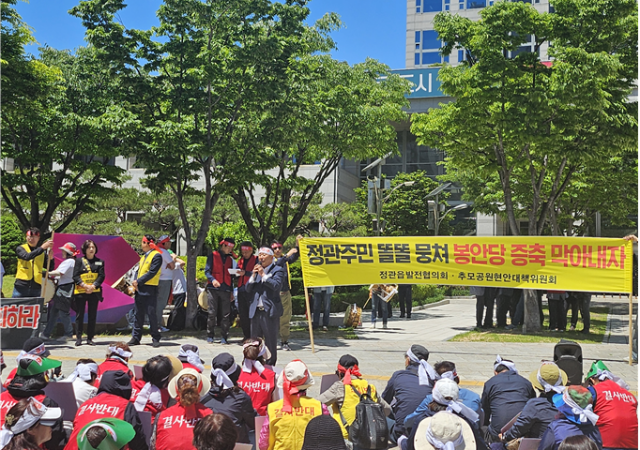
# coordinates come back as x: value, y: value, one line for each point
x: 605, y: 374
x: 249, y: 364
x: 450, y: 445
x: 508, y: 364
x: 31, y: 415
x: 425, y: 371
x: 120, y: 351
x: 193, y: 358
x: 222, y: 377
x: 451, y: 375
x: 265, y: 250
x: 149, y: 392
x: 84, y: 371
x: 585, y: 414
x: 39, y: 350
x: 557, y: 387
x: 454, y: 405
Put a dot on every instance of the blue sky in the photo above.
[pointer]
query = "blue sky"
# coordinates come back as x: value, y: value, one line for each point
x: 372, y: 28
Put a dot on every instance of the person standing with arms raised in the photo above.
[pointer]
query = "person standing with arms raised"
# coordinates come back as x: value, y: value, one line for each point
x: 285, y: 294
x: 88, y: 275
x: 30, y: 265
x: 220, y: 289
x: 146, y: 285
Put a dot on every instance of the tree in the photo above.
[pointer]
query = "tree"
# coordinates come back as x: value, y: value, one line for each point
x: 58, y: 126
x: 521, y: 130
x: 330, y: 111
x: 194, y: 82
x: 333, y: 219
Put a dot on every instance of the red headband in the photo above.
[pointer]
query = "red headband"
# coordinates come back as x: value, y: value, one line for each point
x: 290, y: 388
x: 227, y: 243
x: 30, y: 233
x: 348, y: 372
x: 276, y: 246
x: 246, y: 247
x: 151, y: 243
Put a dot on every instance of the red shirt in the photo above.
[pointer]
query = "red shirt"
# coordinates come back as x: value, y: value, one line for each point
x: 112, y: 364
x: 259, y: 387
x: 7, y: 401
x: 174, y: 429
x: 102, y: 406
x: 11, y: 376
x: 617, y: 422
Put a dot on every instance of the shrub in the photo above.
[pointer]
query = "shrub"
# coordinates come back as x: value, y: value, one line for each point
x: 200, y: 263
x: 12, y: 236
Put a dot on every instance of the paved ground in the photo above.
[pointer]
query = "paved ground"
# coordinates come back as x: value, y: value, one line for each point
x: 381, y: 352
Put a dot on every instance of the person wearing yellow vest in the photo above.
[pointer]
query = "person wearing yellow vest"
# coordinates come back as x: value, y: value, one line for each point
x: 146, y: 285
x: 287, y: 418
x: 88, y: 275
x: 30, y: 264
x: 341, y: 397
x: 285, y: 294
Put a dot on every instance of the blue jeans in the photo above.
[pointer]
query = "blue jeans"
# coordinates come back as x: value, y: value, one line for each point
x: 378, y: 303
x: 26, y: 292
x: 321, y: 303
x: 65, y: 319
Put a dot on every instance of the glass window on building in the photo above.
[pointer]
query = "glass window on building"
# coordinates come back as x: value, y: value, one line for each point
x: 475, y: 4
x: 430, y: 40
x: 431, y: 6
x: 431, y: 58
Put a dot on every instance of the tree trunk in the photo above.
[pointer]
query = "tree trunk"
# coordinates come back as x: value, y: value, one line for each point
x: 192, y: 291
x: 531, y: 312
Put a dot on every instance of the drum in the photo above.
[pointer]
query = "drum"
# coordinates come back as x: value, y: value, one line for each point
x: 124, y: 285
x: 49, y: 290
x: 352, y: 316
x: 203, y: 301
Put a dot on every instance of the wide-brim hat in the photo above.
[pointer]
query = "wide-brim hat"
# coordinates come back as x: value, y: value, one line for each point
x: 176, y: 365
x: 295, y: 371
x: 203, y: 301
x: 597, y: 366
x: 549, y: 372
x: 204, y: 384
x: 443, y: 426
x: 119, y: 434
x: 30, y: 365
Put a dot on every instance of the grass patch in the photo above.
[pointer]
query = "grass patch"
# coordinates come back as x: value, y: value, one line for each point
x: 598, y: 329
x: 7, y: 284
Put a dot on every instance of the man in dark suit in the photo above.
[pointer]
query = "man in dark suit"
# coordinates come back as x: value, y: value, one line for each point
x: 265, y: 309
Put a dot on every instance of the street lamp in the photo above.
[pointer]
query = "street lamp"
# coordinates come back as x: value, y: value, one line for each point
x: 406, y: 183
x: 437, y: 222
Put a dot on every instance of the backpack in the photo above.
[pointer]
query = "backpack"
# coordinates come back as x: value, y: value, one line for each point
x: 369, y: 430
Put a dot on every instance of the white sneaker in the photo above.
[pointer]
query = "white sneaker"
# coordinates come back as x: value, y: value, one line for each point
x: 285, y: 347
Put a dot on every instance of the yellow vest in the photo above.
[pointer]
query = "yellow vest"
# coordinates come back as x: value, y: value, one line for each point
x: 32, y: 269
x: 349, y: 403
x: 145, y: 263
x: 87, y: 278
x: 286, y: 430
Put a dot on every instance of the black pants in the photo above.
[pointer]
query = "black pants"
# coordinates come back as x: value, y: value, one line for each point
x: 502, y: 307
x: 573, y: 305
x: 585, y: 305
x: 267, y: 328
x: 244, y: 300
x: 404, y: 294
x: 219, y: 311
x: 91, y: 301
x: 146, y: 305
x: 557, y: 315
x: 482, y: 302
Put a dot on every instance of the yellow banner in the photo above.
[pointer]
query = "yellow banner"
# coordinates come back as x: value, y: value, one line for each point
x: 549, y: 263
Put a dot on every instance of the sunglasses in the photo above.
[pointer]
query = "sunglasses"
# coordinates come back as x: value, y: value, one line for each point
x: 276, y: 247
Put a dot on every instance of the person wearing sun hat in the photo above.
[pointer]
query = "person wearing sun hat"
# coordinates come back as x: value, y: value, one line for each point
x: 286, y: 421
x: 32, y: 376
x: 173, y: 429
x: 60, y: 304
x: 105, y: 434
x: 444, y: 431
x: 227, y: 398
x: 575, y: 405
x: 539, y: 412
x: 615, y: 406
x: 34, y: 346
x: 28, y: 425
x: 111, y: 401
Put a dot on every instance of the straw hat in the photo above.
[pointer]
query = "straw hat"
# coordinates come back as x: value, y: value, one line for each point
x: 445, y: 427
x: 550, y: 372
x: 204, y: 384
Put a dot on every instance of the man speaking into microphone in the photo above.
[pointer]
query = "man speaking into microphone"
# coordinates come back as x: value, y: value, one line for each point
x: 266, y: 308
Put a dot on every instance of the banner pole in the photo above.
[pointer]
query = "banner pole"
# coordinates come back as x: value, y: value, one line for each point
x: 631, y: 328
x: 306, y: 300
x: 46, y: 273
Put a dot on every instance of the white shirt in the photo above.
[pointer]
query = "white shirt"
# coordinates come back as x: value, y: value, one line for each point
x: 66, y: 270
x: 179, y: 281
x: 166, y: 273
x: 83, y: 390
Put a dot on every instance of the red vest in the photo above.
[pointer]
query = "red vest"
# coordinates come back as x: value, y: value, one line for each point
x: 174, y: 429
x: 7, y: 401
x: 220, y: 273
x: 259, y: 387
x: 617, y: 422
x: 112, y: 364
x: 251, y: 262
x: 102, y: 406
x: 11, y: 376
x: 186, y: 365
